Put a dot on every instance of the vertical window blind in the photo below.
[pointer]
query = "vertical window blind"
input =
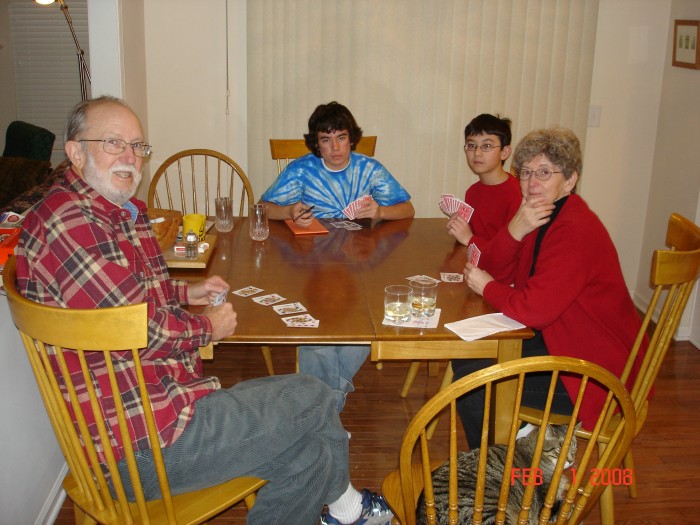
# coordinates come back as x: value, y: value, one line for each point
x: 414, y: 73
x: 45, y: 63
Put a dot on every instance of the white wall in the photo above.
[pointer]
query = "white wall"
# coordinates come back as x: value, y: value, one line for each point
x: 627, y: 77
x: 32, y: 463
x: 186, y: 85
x: 675, y: 181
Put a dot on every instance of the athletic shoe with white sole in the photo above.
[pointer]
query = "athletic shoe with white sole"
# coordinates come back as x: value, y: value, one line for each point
x: 375, y: 511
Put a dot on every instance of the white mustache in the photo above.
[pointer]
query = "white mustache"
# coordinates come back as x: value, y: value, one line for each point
x: 125, y: 167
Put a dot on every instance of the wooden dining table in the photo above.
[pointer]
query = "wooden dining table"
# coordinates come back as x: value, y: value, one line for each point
x: 340, y: 278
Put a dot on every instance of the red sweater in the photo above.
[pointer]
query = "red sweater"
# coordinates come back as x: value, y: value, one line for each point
x: 494, y: 207
x: 577, y: 295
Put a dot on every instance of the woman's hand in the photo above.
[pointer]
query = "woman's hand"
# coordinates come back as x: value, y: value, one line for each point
x: 533, y: 213
x: 204, y: 292
x: 476, y: 278
x: 459, y: 229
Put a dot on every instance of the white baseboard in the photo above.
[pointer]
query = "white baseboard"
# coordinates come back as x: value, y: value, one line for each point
x: 54, y: 500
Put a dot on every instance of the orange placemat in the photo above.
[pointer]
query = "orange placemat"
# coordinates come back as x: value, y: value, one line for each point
x: 314, y: 228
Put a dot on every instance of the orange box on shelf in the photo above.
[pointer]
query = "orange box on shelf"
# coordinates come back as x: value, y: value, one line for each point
x: 8, y: 241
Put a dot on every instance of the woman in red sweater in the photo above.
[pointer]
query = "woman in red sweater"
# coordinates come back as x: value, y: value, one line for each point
x: 555, y: 269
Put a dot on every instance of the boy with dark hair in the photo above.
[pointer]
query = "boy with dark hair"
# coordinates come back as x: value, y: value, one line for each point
x: 333, y: 175
x: 327, y: 180
x: 496, y: 196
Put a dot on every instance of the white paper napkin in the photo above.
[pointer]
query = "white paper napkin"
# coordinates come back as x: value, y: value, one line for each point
x: 417, y: 322
x: 483, y: 325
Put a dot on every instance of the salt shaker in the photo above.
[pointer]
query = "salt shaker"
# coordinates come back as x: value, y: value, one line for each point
x: 191, y: 248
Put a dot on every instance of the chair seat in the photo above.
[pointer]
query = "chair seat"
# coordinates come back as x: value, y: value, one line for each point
x: 190, y: 508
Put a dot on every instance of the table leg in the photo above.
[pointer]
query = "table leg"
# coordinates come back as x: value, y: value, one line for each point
x: 508, y: 349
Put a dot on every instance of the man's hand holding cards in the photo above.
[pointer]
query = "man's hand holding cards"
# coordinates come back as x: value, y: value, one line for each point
x: 220, y: 298
x: 352, y: 209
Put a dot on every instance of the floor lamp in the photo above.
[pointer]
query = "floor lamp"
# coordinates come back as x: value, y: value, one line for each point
x: 83, y: 70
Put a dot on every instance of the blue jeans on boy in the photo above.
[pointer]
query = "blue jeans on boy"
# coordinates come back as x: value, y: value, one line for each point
x: 334, y: 365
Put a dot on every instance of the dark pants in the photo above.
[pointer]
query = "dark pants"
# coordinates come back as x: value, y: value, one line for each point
x: 535, y: 389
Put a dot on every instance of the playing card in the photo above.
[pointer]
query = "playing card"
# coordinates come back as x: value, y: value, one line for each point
x: 351, y: 209
x: 452, y: 277
x: 465, y: 211
x: 269, y: 299
x: 423, y: 279
x: 248, y: 291
x: 449, y: 205
x: 220, y: 298
x: 346, y: 225
x: 473, y: 254
x: 291, y: 308
x: 301, y: 321
x: 348, y: 212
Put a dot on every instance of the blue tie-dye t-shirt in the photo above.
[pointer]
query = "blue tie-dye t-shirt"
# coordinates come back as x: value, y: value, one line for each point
x: 306, y: 179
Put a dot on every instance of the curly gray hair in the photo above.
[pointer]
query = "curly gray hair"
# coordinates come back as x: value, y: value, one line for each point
x: 560, y: 145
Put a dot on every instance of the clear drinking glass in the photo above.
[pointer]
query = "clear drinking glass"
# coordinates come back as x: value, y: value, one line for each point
x: 224, y: 214
x: 259, y: 228
x: 424, y: 297
x: 397, y: 303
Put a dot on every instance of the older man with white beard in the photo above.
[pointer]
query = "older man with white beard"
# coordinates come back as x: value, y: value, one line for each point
x: 89, y: 244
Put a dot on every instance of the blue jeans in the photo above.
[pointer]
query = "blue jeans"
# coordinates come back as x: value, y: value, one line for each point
x: 334, y: 365
x: 284, y: 429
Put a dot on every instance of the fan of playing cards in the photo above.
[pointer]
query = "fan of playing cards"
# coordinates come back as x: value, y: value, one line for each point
x: 355, y: 205
x: 449, y: 204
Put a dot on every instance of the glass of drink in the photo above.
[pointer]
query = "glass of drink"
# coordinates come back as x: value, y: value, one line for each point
x: 257, y: 217
x: 397, y: 303
x: 424, y: 297
x: 224, y: 214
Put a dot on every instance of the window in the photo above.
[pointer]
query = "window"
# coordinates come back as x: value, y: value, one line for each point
x: 45, y: 63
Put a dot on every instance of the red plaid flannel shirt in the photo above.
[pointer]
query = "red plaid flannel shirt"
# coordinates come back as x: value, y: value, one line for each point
x: 78, y: 250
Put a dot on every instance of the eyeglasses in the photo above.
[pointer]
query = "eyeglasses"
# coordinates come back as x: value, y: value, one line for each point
x: 486, y: 148
x: 540, y: 174
x: 117, y: 146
